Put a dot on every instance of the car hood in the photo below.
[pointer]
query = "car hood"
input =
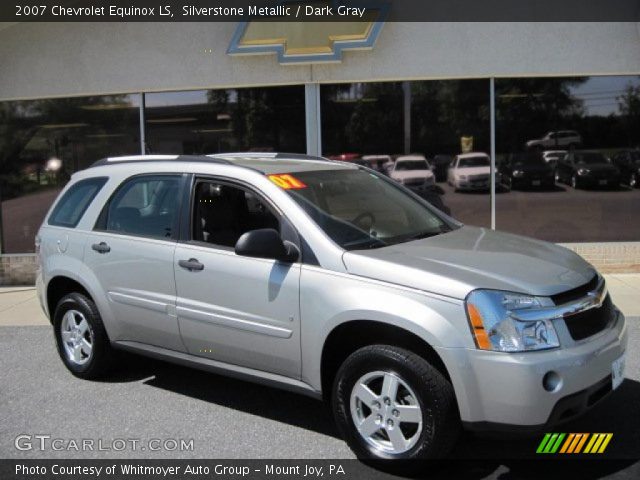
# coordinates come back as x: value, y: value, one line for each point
x: 472, y: 171
x: 457, y: 262
x: 404, y: 174
x: 596, y: 167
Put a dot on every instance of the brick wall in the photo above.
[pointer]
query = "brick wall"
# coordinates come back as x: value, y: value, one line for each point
x: 618, y: 257
x: 18, y: 269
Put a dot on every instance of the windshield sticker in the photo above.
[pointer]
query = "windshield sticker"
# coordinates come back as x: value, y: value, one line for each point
x: 287, y: 181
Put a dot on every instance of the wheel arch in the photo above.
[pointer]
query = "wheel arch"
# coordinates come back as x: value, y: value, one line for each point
x: 347, y: 337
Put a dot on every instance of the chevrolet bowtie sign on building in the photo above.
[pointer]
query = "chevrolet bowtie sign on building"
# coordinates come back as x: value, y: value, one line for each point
x: 309, y: 41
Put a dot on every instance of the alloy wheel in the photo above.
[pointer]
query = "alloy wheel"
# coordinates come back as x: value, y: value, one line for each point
x: 77, y: 337
x: 386, y: 412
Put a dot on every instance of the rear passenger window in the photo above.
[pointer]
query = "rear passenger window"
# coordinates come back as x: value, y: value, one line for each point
x: 145, y: 206
x: 75, y: 201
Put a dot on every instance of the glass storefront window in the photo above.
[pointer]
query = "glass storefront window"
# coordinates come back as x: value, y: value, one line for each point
x: 568, y: 158
x: 42, y: 142
x: 214, y: 121
x: 367, y: 123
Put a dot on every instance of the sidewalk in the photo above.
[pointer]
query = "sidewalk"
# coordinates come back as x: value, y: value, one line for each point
x: 19, y: 305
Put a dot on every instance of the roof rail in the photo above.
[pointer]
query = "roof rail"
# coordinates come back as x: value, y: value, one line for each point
x: 273, y: 155
x: 158, y: 158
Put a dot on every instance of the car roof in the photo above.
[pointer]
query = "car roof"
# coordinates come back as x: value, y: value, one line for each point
x: 264, y: 162
x: 410, y: 157
x: 473, y: 154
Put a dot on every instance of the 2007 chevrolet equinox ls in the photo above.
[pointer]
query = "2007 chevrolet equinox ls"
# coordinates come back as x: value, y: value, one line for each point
x: 332, y: 280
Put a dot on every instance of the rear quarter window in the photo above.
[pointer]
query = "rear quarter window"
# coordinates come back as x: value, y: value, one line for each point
x: 70, y: 208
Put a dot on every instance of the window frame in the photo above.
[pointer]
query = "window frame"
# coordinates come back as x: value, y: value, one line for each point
x: 288, y: 231
x: 101, y: 222
x: 102, y: 181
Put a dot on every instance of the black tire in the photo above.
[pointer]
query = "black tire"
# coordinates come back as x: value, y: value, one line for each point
x: 435, y: 396
x: 575, y: 183
x: 102, y: 357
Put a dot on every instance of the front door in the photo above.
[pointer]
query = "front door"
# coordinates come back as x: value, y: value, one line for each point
x: 238, y: 310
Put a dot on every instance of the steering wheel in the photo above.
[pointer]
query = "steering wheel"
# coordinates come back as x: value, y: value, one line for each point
x: 362, y: 216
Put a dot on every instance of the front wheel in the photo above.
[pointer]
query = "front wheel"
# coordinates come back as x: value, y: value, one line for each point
x: 83, y: 344
x: 574, y: 182
x: 633, y: 181
x: 390, y: 403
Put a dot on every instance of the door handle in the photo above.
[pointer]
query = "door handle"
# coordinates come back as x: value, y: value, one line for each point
x: 101, y: 247
x: 191, y: 264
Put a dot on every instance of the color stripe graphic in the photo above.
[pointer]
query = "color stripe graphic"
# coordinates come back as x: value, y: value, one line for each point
x: 574, y: 443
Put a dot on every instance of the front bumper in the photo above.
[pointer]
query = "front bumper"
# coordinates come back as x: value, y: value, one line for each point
x: 504, y: 391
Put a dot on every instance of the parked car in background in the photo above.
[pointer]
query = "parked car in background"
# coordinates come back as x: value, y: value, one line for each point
x: 628, y: 162
x: 552, y: 156
x: 412, y: 171
x: 470, y: 171
x: 379, y: 163
x: 528, y: 169
x: 344, y: 157
x: 440, y: 164
x: 587, y: 169
x: 562, y: 138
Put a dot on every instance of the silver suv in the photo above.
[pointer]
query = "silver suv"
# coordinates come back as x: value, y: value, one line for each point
x: 331, y: 280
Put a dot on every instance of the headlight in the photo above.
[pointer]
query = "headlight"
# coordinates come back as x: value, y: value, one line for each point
x: 583, y: 171
x: 518, y: 173
x: 490, y: 315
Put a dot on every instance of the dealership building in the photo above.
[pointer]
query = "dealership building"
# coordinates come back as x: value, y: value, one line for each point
x: 71, y: 93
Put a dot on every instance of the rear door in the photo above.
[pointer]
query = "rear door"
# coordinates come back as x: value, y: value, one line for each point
x: 238, y: 310
x: 131, y: 253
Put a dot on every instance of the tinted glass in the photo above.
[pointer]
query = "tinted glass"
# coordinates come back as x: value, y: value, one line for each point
x: 358, y: 209
x: 222, y: 213
x: 581, y: 197
x: 42, y: 142
x: 213, y: 121
x: 473, y: 162
x: 146, y: 206
x: 75, y: 202
x: 412, y: 165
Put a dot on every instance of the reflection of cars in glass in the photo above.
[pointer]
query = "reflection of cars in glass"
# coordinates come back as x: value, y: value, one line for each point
x: 527, y: 169
x: 344, y: 157
x: 330, y: 280
x: 470, y: 171
x: 552, y: 156
x: 412, y: 171
x: 379, y: 163
x: 628, y: 162
x: 587, y: 169
x: 440, y: 165
x: 562, y: 138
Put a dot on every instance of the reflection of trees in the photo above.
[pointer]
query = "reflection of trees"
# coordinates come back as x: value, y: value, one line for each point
x: 629, y: 104
x: 530, y: 107
x: 261, y: 118
x: 444, y: 111
x: 33, y: 131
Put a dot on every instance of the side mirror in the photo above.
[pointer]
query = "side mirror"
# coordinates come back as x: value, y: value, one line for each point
x: 266, y: 243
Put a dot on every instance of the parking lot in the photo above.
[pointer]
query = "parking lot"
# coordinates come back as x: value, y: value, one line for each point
x: 231, y: 419
x: 561, y: 215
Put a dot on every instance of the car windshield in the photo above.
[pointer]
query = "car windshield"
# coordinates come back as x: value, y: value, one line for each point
x: 412, y: 165
x: 590, y: 158
x: 473, y: 162
x: 360, y: 210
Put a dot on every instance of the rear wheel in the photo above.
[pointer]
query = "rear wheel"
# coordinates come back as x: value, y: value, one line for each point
x: 390, y: 403
x: 83, y: 344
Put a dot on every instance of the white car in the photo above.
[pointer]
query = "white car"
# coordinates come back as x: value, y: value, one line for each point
x: 470, y: 171
x: 412, y: 171
x: 380, y: 163
x: 552, y: 156
x: 562, y: 138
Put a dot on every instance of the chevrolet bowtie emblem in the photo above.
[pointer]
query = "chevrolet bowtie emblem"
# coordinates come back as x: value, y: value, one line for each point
x: 308, y: 41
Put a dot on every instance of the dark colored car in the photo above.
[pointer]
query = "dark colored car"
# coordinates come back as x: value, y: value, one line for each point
x: 440, y: 165
x: 628, y: 162
x: 526, y: 170
x: 587, y: 169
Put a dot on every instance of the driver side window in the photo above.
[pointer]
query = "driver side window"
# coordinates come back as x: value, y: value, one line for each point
x: 222, y: 213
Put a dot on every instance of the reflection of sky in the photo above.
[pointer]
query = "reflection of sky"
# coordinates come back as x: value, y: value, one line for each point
x: 600, y: 94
